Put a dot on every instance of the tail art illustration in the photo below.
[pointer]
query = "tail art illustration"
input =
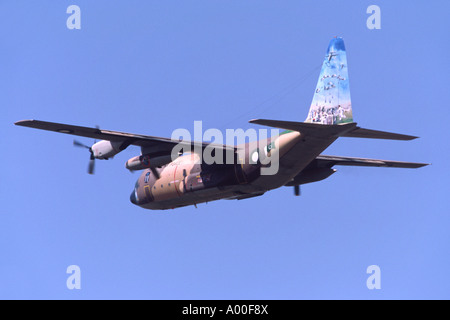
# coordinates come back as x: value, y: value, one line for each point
x: 331, y: 102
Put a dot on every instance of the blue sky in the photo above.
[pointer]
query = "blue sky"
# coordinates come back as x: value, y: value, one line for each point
x: 153, y: 66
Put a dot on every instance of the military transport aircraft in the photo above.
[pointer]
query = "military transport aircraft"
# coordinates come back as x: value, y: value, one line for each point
x: 170, y: 181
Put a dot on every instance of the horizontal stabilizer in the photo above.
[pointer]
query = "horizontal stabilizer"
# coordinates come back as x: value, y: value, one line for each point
x: 341, y: 130
x: 330, y: 161
x: 375, y: 134
x: 312, y: 129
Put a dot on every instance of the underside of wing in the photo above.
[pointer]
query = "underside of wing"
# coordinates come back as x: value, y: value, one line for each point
x: 156, y: 144
x: 321, y: 167
x: 324, y: 161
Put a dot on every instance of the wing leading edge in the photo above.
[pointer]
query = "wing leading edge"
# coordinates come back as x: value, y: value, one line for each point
x: 157, y: 144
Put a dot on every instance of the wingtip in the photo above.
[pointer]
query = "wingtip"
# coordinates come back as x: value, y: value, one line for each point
x: 25, y: 120
x: 22, y: 122
x: 421, y: 165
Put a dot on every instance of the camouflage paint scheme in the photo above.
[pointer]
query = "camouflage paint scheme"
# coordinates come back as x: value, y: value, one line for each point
x: 187, y: 181
x: 167, y: 184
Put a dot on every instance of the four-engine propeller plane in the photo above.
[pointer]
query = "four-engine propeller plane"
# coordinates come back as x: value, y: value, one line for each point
x: 170, y: 181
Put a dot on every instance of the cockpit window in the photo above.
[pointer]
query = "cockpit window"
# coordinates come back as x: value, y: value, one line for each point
x: 147, y: 177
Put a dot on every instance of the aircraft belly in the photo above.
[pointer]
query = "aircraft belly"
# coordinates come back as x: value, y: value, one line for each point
x: 194, y: 197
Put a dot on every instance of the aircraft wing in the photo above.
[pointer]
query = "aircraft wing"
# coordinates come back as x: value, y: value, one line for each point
x: 156, y: 144
x: 330, y: 161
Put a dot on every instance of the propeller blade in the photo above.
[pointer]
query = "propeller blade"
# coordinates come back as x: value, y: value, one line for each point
x: 91, y: 166
x: 79, y: 144
x: 296, y: 191
x: 98, y: 128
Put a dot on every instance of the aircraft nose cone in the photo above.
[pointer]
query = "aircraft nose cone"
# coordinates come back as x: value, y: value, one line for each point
x: 133, y: 197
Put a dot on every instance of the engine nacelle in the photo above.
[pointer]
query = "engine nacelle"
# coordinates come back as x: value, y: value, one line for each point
x: 106, y: 149
x: 145, y: 161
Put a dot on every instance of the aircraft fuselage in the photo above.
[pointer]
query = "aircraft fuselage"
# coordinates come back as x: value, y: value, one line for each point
x: 188, y: 181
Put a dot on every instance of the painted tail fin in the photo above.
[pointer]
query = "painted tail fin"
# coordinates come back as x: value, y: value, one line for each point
x: 331, y: 102
x: 331, y: 105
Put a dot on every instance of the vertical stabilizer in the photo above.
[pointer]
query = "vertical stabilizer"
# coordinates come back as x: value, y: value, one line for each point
x: 331, y: 102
